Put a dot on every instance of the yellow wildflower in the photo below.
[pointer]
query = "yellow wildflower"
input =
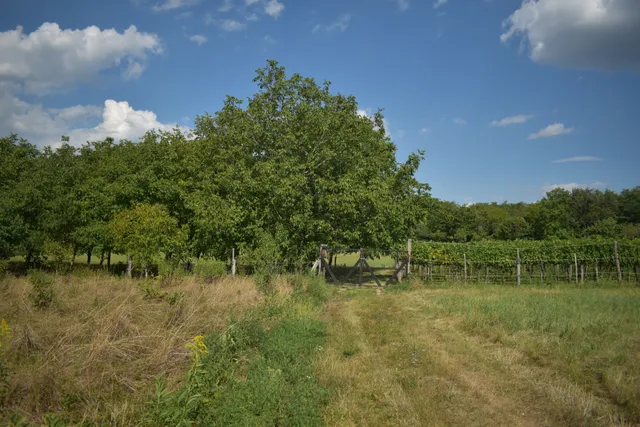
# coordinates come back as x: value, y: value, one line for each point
x: 197, y: 347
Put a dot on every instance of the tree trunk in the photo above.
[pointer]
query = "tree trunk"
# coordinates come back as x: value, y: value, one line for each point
x: 89, y: 257
x: 109, y: 259
x: 73, y: 258
x: 101, y: 258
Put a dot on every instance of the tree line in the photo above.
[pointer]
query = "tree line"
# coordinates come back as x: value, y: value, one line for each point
x: 560, y: 215
x: 292, y: 167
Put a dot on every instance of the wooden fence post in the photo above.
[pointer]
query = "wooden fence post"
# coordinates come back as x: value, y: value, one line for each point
x: 233, y: 262
x: 129, y: 266
x: 518, y: 266
x: 409, y: 257
x: 465, y: 267
x: 361, y: 257
x: 615, y: 251
x: 575, y: 260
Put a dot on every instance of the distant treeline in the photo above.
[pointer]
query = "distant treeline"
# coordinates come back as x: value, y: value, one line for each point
x: 561, y: 214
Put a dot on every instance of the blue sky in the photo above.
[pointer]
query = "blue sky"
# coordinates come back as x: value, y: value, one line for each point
x: 508, y: 99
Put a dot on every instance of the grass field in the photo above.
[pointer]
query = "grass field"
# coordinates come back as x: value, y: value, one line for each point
x: 294, y: 351
x: 483, y: 356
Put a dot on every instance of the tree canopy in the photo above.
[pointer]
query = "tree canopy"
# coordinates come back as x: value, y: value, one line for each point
x: 295, y: 162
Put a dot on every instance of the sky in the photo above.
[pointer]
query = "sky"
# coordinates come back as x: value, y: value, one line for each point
x: 508, y: 99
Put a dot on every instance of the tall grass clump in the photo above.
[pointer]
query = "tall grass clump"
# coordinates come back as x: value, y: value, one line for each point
x: 42, y: 293
x: 94, y: 359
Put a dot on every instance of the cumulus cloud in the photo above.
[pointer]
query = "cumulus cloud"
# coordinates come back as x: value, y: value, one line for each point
x: 198, y: 39
x: 273, y: 8
x: 578, y: 159
x: 602, y: 34
x: 551, y: 130
x: 50, y: 59
x: 459, y: 121
x: 340, y: 24
x: 572, y: 186
x: 232, y: 25
x: 226, y: 6
x: 173, y: 4
x: 44, y: 126
x: 439, y: 3
x: 403, y: 5
x: 513, y: 120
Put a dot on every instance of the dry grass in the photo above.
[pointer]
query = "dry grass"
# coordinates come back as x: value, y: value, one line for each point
x: 398, y: 358
x: 94, y: 355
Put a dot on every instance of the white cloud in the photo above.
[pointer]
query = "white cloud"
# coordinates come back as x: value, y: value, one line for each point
x: 340, y: 24
x: 578, y: 159
x: 551, y: 130
x: 226, y: 6
x: 43, y: 126
x: 251, y: 2
x: 198, y: 39
x: 268, y: 39
x: 173, y: 4
x: 439, y: 3
x: 50, y: 59
x: 232, y: 25
x: 571, y: 186
x: 424, y: 131
x: 252, y: 17
x: 601, y: 34
x: 459, y: 121
x: 513, y: 120
x: 273, y: 8
x: 403, y: 5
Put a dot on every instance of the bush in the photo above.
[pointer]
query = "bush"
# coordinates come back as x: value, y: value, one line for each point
x: 4, y: 266
x: 42, y: 294
x: 209, y: 268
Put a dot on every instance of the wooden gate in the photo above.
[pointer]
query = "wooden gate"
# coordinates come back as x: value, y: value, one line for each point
x: 360, y: 266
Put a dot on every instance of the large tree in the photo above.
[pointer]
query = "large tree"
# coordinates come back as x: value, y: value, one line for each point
x: 301, y: 164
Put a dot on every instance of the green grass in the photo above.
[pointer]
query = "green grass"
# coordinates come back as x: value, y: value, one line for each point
x: 461, y: 354
x: 259, y: 371
x: 590, y: 335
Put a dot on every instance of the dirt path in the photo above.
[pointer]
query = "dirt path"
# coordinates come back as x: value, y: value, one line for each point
x: 391, y: 360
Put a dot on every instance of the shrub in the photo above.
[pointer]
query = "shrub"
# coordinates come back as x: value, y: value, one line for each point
x: 173, y: 298
x: 209, y: 268
x: 4, y: 266
x: 149, y: 290
x: 42, y: 294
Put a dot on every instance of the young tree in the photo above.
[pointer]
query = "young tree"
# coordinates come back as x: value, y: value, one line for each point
x: 146, y: 231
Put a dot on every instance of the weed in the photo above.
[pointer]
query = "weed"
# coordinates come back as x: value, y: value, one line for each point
x: 42, y: 294
x: 173, y: 298
x: 149, y: 290
x: 349, y: 351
